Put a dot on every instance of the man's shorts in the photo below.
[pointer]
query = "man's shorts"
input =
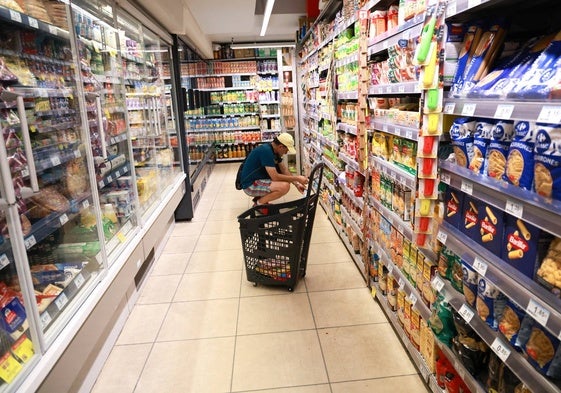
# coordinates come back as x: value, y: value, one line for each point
x: 259, y: 188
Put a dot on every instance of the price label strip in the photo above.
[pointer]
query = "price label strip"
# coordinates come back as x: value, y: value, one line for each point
x: 413, y: 299
x: 61, y: 301
x: 449, y: 107
x: 466, y: 313
x: 437, y: 283
x: 514, y: 208
x: 445, y: 178
x: 442, y: 237
x: 480, y: 266
x: 538, y: 312
x: 504, y: 111
x: 469, y: 109
x: 500, y: 349
x: 4, y: 261
x: 467, y: 187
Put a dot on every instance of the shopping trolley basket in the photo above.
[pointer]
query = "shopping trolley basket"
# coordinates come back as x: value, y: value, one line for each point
x: 275, y: 245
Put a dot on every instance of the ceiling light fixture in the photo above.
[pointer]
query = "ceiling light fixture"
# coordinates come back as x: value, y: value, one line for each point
x: 264, y: 45
x: 267, y: 16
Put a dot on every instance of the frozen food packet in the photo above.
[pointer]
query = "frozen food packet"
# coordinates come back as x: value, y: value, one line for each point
x: 510, y: 321
x: 481, y: 138
x: 498, y: 82
x: 461, y: 134
x: 520, y: 159
x: 498, y: 148
x: 542, y: 78
x: 547, y: 161
x: 490, y: 303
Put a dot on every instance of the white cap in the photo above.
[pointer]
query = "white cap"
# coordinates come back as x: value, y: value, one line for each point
x: 286, y: 139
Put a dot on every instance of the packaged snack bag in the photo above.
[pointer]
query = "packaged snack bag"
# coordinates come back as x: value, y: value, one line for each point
x: 547, y: 161
x: 461, y: 134
x: 498, y: 148
x: 520, y: 159
x: 481, y: 138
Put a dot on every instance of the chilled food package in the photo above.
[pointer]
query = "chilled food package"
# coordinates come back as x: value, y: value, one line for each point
x: 541, y: 80
x: 520, y: 159
x: 6, y: 76
x: 48, y: 200
x: 497, y: 151
x: 461, y: 134
x: 547, y: 161
x: 481, y: 139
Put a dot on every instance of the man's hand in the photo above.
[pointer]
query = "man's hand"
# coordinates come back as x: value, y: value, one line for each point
x: 303, y: 180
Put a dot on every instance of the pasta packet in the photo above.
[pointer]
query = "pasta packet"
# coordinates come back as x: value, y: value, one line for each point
x: 481, y: 138
x: 498, y: 148
x: 520, y: 159
x: 461, y: 134
x: 547, y: 161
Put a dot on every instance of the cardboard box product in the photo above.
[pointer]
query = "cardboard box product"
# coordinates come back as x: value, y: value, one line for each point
x: 524, y: 245
x: 470, y: 217
x: 453, y: 201
x: 491, y: 228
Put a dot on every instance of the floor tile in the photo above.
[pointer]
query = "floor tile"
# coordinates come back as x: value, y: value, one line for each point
x: 330, y: 276
x: 206, y: 286
x: 409, y: 383
x: 201, y: 366
x: 363, y: 352
x: 143, y: 324
x: 275, y: 313
x: 223, y: 241
x: 213, y: 261
x: 324, y: 234
x: 238, y: 203
x: 200, y: 319
x: 170, y: 264
x: 200, y: 214
x: 249, y: 289
x: 159, y: 289
x: 345, y: 307
x: 180, y: 244
x: 224, y: 226
x: 266, y: 361
x: 226, y: 214
x: 122, y: 369
x: 297, y: 389
x: 187, y: 228
x: 337, y: 253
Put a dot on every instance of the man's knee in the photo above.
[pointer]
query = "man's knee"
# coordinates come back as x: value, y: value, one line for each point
x: 285, y: 187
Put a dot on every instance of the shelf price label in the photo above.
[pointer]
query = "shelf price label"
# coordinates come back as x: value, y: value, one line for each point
x: 442, y: 237
x: 451, y: 9
x: 401, y: 89
x: 53, y: 30
x: 61, y: 301
x: 401, y: 283
x: 467, y: 187
x: 449, y: 107
x: 63, y: 219
x: 538, y: 312
x: 79, y: 280
x: 77, y: 154
x: 445, y: 178
x: 30, y: 242
x: 45, y: 319
x: 15, y: 16
x: 550, y: 114
x: 4, y: 261
x: 437, y: 283
x: 390, y: 268
x: 480, y: 266
x: 504, y: 111
x: 85, y: 204
x: 413, y: 299
x: 466, y: 313
x: 55, y: 160
x: 500, y: 349
x: 514, y: 208
x: 32, y: 22
x: 468, y: 109
x: 473, y: 3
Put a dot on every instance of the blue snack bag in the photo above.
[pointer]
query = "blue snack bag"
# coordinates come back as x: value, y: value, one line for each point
x: 461, y: 134
x: 520, y: 160
x: 547, y: 161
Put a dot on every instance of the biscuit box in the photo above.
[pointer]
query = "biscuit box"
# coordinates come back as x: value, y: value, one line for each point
x: 453, y: 202
x: 524, y: 245
x: 491, y: 228
x: 470, y: 217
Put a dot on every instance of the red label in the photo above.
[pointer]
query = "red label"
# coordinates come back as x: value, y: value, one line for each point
x: 471, y: 217
x: 452, y: 206
x: 488, y: 227
x: 518, y: 243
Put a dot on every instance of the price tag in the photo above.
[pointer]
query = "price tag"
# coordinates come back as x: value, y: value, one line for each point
x: 109, y: 179
x: 401, y: 89
x: 30, y: 242
x: 61, y: 301
x: 101, y: 184
x: 85, y: 204
x: 385, y: 128
x: 437, y: 283
x: 550, y: 114
x: 466, y: 313
x: 514, y: 208
x: 32, y: 22
x: 117, y: 174
x: 385, y: 44
x: 401, y: 283
x: 79, y: 280
x: 122, y: 238
x: 504, y: 111
x: 442, y: 237
x: 480, y: 266
x: 45, y: 319
x: 397, y: 131
x: 468, y: 109
x: 445, y: 178
x: 467, y: 187
x: 373, y: 292
x: 451, y: 9
x: 23, y: 349
x: 538, y: 312
x: 77, y: 154
x: 449, y: 107
x: 4, y: 261
x: 63, y: 219
x: 53, y: 30
x: 409, y: 134
x: 25, y: 172
x: 389, y: 89
x: 15, y: 16
x: 9, y: 368
x: 390, y: 268
x: 55, y: 160
x: 473, y: 3
x: 501, y: 349
x: 412, y: 299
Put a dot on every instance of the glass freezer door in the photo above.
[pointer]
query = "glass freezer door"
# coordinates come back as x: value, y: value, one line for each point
x: 46, y: 147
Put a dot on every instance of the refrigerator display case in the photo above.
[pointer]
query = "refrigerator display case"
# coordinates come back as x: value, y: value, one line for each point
x: 50, y: 249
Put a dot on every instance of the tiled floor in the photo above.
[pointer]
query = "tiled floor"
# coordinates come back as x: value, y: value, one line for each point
x: 199, y: 326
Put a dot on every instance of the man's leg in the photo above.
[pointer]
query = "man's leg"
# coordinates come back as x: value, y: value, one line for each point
x: 278, y: 189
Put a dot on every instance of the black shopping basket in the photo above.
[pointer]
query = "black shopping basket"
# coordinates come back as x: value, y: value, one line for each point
x: 275, y: 245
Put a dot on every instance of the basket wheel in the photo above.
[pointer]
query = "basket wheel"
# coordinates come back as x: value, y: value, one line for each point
x: 290, y: 289
x: 254, y: 284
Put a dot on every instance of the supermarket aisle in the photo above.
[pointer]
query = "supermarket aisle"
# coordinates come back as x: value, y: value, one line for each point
x: 199, y: 326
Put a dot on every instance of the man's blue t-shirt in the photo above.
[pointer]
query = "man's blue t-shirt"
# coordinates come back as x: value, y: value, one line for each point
x: 254, y: 168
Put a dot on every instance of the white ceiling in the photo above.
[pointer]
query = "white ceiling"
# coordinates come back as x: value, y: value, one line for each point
x: 203, y: 22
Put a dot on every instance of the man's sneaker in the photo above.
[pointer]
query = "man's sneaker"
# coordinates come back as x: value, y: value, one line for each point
x: 263, y: 210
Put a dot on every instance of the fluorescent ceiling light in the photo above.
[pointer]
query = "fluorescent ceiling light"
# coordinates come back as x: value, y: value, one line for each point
x: 264, y: 45
x: 267, y: 16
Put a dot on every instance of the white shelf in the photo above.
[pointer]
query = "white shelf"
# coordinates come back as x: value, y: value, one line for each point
x: 389, y: 169
x: 395, y: 88
x: 396, y: 129
x: 409, y: 29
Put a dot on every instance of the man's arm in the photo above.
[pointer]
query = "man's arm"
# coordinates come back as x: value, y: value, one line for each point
x: 286, y: 176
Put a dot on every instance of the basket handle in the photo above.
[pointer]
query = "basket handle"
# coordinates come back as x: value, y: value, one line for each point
x: 313, y: 176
